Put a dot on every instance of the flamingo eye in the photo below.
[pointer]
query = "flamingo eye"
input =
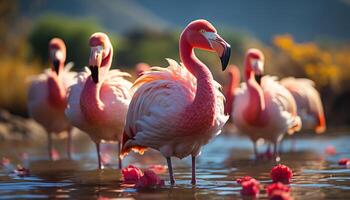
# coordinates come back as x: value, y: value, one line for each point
x: 202, y: 31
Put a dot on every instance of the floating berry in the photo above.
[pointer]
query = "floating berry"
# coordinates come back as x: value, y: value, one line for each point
x: 243, y: 179
x: 250, y: 188
x: 276, y: 186
x: 131, y: 174
x: 330, y: 150
x: 149, y: 180
x: 281, y: 173
x: 344, y: 161
x: 21, y: 171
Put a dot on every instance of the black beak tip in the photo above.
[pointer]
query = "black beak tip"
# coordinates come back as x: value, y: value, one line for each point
x: 258, y: 79
x: 94, y: 73
x: 56, y: 65
x: 225, y: 57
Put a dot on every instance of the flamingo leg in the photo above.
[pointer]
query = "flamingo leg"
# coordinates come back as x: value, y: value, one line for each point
x: 170, y: 167
x: 49, y: 145
x: 69, y: 144
x: 268, y: 149
x: 275, y: 151
x: 98, y: 155
x: 255, y: 148
x: 193, y: 181
x: 119, y: 159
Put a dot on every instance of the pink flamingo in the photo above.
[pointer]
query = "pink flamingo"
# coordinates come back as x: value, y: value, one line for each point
x: 234, y: 79
x: 47, y: 96
x: 178, y: 109
x: 263, y: 108
x: 98, y: 102
x: 140, y: 68
x: 308, y: 102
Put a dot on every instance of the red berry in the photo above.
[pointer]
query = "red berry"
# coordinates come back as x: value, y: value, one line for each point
x: 276, y: 186
x: 250, y: 188
x: 344, y: 161
x: 330, y: 150
x: 243, y: 179
x: 131, y: 174
x: 281, y: 173
x: 149, y: 180
x: 21, y: 171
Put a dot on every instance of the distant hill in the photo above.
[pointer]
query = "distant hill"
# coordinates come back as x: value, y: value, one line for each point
x: 118, y: 16
x: 305, y: 20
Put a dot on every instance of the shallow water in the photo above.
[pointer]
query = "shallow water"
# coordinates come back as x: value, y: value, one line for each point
x: 316, y: 175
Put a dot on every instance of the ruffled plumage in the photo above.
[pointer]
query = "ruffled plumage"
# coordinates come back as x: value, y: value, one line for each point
x: 115, y: 97
x: 308, y: 101
x: 279, y: 105
x: 52, y: 118
x: 161, y: 96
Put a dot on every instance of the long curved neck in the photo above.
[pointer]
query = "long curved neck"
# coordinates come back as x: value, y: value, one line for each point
x: 90, y: 103
x: 56, y: 92
x: 256, y: 103
x: 229, y: 94
x: 90, y: 100
x: 202, y: 110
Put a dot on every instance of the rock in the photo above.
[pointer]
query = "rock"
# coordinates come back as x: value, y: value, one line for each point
x: 16, y: 128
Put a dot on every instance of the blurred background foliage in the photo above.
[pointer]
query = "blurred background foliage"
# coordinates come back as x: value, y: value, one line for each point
x: 24, y: 53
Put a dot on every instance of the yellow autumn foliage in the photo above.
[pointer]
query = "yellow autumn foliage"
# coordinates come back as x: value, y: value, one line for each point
x: 14, y: 74
x: 326, y: 66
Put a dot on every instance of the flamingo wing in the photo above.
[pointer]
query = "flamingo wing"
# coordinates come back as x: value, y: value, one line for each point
x: 116, y: 94
x: 282, y: 97
x: 73, y: 111
x: 155, y: 112
x: 308, y: 101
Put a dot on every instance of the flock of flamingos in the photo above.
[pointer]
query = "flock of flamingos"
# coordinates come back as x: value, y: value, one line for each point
x: 175, y: 110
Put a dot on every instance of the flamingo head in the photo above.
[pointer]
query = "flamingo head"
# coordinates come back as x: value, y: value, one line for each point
x: 141, y: 68
x: 101, y: 49
x: 255, y: 62
x: 202, y: 35
x: 57, y: 54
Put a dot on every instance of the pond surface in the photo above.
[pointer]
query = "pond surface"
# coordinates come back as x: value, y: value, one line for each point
x: 226, y: 158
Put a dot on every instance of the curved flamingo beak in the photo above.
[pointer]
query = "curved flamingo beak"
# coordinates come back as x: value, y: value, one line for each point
x: 220, y: 46
x: 258, y: 67
x: 56, y: 57
x: 95, y: 61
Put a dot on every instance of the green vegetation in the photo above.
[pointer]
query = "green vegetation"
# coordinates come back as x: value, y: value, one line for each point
x: 75, y: 34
